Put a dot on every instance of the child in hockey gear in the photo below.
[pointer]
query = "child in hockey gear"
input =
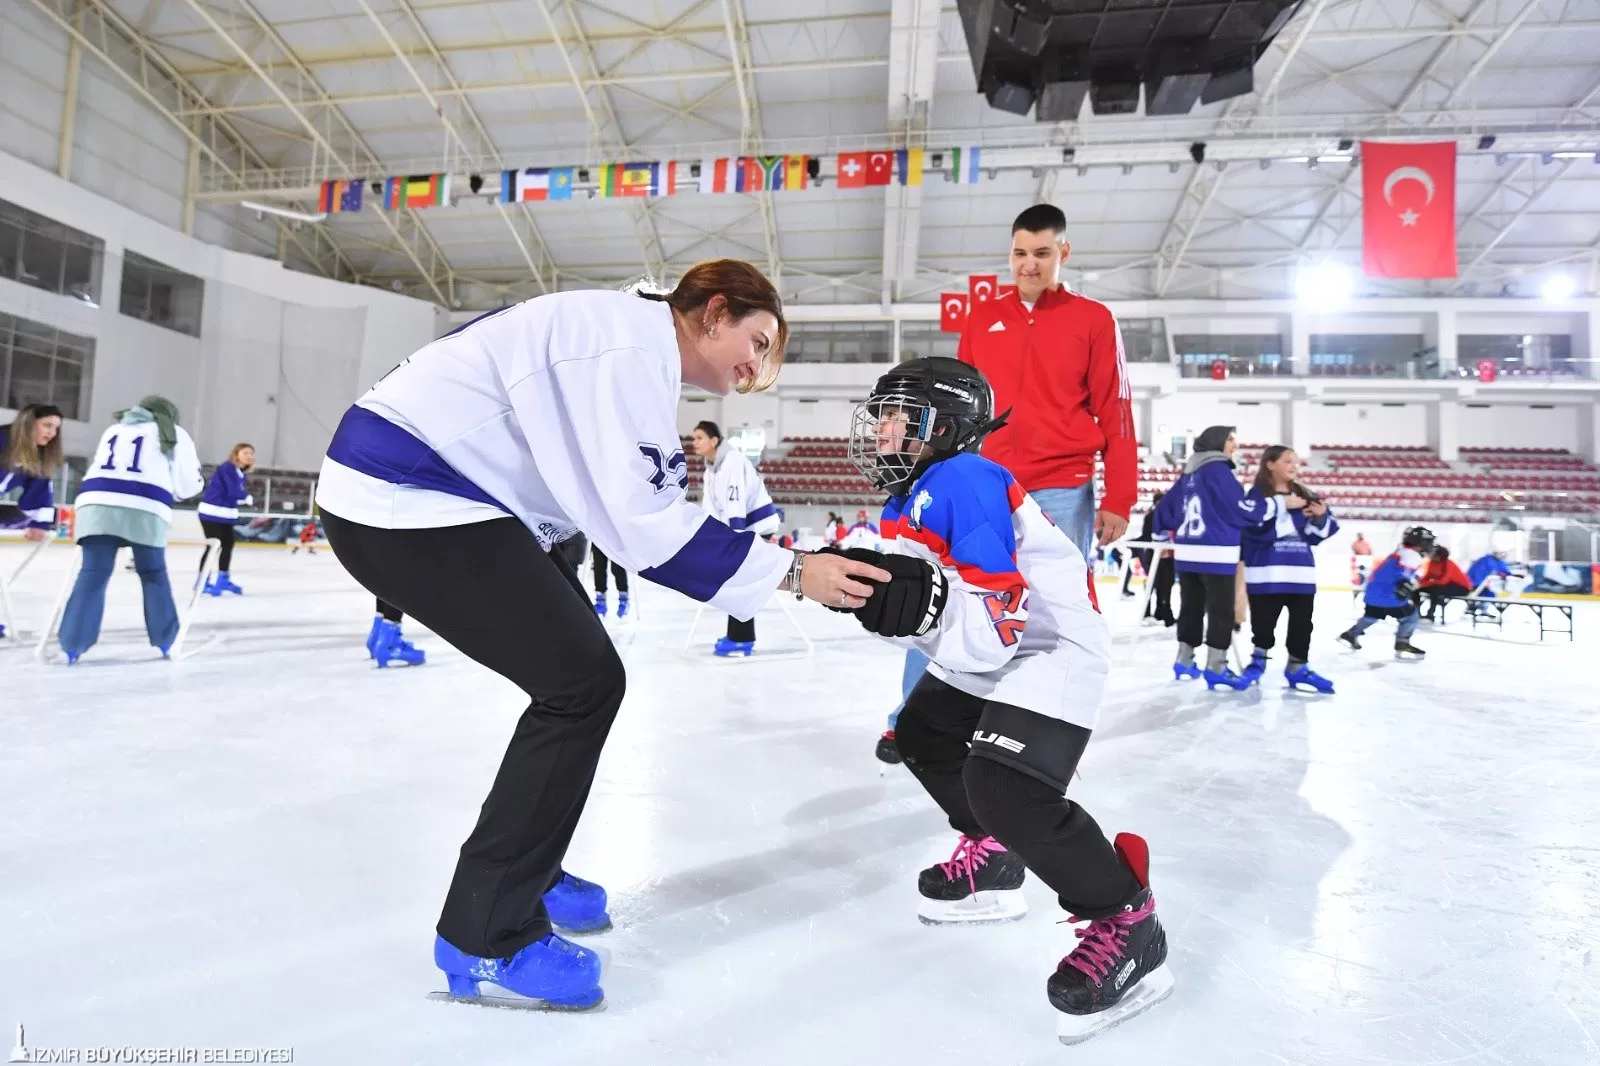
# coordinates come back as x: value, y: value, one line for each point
x: 1207, y: 512
x: 996, y: 596
x: 1280, y: 571
x: 306, y: 540
x: 385, y: 642
x: 1390, y: 591
x: 734, y: 494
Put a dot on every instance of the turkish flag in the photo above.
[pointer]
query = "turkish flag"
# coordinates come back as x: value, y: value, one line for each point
x: 952, y: 312
x: 1488, y: 370
x: 981, y: 288
x: 880, y: 168
x: 1408, y: 210
x: 1219, y: 370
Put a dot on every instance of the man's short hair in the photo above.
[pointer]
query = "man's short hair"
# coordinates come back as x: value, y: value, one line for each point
x: 1041, y: 217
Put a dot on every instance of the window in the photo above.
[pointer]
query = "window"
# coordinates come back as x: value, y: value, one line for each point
x: 1246, y: 354
x: 846, y: 342
x: 918, y: 339
x: 1144, y: 340
x: 160, y: 294
x: 42, y: 364
x: 1518, y: 355
x: 43, y: 253
x: 1373, y: 355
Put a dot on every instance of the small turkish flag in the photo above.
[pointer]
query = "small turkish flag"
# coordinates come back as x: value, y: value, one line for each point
x: 1408, y: 210
x: 981, y: 287
x: 952, y: 312
x: 1488, y: 370
x: 1219, y: 370
x: 1003, y: 291
x: 880, y: 168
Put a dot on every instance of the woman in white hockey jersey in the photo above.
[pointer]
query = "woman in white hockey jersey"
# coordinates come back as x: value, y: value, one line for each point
x: 142, y: 465
x: 1019, y: 654
x: 734, y: 494
x: 443, y: 492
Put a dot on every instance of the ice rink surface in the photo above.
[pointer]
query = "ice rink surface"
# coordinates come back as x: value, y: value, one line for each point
x: 249, y: 848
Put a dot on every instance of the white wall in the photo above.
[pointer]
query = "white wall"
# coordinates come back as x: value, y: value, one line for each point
x: 281, y: 354
x: 1369, y: 423
x: 1520, y: 426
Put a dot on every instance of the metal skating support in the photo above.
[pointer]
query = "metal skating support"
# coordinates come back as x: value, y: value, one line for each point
x: 8, y: 612
x: 208, y: 572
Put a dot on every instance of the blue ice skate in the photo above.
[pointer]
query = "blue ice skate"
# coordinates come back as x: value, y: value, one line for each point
x: 577, y: 906
x: 222, y: 583
x: 726, y: 648
x: 551, y: 974
x: 622, y: 605
x: 1184, y: 671
x: 1257, y: 667
x: 372, y: 636
x: 392, y: 647
x: 600, y: 604
x: 1304, y: 675
x: 1226, y: 678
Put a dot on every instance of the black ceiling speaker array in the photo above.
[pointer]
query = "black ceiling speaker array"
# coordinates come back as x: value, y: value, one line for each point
x: 1054, y: 53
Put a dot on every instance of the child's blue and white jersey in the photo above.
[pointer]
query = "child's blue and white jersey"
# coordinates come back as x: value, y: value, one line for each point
x: 1277, y: 554
x: 734, y: 494
x: 32, y: 495
x: 1485, y: 567
x: 561, y: 412
x: 1020, y: 625
x: 1383, y: 587
x: 1207, y: 511
x: 225, y: 494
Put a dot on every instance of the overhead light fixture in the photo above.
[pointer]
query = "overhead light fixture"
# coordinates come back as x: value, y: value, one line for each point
x: 1334, y: 158
x: 1091, y: 275
x: 1197, y: 152
x: 1068, y: 154
x: 1345, y: 144
x: 1558, y: 287
x: 281, y: 212
x: 1326, y: 284
x: 1486, y: 142
x: 1574, y: 155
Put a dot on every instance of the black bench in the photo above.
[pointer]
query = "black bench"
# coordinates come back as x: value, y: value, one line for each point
x: 1492, y: 611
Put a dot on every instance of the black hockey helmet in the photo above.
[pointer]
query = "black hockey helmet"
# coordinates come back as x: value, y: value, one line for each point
x: 943, y: 403
x: 1418, y: 538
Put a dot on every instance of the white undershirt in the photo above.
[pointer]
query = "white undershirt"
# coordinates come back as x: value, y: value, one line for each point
x: 1029, y: 304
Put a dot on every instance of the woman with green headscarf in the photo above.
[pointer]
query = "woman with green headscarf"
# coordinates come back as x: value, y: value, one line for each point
x: 144, y: 462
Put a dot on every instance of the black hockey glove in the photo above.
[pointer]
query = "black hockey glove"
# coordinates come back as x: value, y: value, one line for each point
x: 1407, y: 588
x: 911, y: 603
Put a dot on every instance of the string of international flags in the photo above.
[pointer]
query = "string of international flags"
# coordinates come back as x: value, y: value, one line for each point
x: 654, y: 178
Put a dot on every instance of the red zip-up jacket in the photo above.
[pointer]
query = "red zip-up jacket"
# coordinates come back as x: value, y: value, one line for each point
x: 1060, y: 369
x: 1445, y: 573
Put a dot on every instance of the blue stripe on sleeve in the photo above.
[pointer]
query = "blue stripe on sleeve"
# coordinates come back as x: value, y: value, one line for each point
x: 704, y: 564
x: 766, y: 510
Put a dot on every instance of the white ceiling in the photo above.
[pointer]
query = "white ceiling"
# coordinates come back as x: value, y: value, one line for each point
x: 294, y: 91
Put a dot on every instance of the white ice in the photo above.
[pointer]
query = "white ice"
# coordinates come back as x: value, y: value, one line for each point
x: 249, y: 848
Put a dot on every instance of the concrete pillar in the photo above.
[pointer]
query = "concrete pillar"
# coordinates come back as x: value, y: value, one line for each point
x: 1444, y: 429
x: 1446, y: 332
x: 1589, y: 431
x: 1297, y: 432
x: 1300, y: 343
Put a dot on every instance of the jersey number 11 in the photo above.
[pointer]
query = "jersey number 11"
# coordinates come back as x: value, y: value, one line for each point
x: 111, y: 455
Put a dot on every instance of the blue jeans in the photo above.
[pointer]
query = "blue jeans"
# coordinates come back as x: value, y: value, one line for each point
x: 1406, y: 624
x: 1072, y: 510
x: 80, y: 625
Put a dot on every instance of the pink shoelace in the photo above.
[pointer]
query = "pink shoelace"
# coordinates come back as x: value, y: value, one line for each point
x: 970, y: 854
x: 1104, y: 941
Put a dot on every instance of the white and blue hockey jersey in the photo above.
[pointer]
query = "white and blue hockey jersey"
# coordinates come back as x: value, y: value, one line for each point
x: 225, y: 494
x: 733, y: 493
x: 1207, y: 511
x: 1383, y: 588
x: 1277, y: 554
x: 561, y: 412
x: 1021, y: 625
x: 129, y: 470
x: 30, y: 494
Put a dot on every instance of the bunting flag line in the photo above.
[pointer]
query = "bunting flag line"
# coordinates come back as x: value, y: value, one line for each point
x: 536, y: 183
x: 858, y: 170
x: 340, y: 196
x: 796, y: 171
x: 908, y: 166
x: 964, y: 165
x: 416, y: 190
x: 630, y: 179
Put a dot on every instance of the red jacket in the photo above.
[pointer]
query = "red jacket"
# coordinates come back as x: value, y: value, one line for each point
x: 1060, y: 369
x: 1446, y: 573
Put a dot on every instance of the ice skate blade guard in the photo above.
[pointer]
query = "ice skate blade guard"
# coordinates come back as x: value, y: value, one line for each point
x: 1154, y: 987
x: 984, y: 908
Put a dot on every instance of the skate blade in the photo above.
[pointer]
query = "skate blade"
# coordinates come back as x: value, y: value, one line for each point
x: 521, y: 1003
x: 1154, y: 987
x: 585, y: 930
x: 984, y: 908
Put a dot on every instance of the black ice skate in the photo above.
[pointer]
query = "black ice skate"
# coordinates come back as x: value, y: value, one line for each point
x: 982, y: 882
x: 1118, y: 969
x: 1349, y: 637
x: 888, y: 751
x: 1404, y: 649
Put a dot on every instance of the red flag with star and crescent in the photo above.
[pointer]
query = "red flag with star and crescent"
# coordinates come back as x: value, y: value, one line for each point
x: 952, y: 311
x: 1408, y: 210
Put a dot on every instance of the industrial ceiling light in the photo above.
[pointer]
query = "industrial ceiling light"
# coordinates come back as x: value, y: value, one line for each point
x: 1324, y: 284
x: 1197, y: 152
x: 1345, y: 144
x: 280, y: 212
x: 1558, y: 287
x: 1486, y: 142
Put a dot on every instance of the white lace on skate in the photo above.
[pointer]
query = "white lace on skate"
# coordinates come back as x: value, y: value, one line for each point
x: 970, y: 855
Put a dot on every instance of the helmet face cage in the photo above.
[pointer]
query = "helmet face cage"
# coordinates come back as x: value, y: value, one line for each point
x: 891, y: 464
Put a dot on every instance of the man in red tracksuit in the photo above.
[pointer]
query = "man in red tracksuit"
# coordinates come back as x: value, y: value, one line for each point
x: 1055, y: 360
